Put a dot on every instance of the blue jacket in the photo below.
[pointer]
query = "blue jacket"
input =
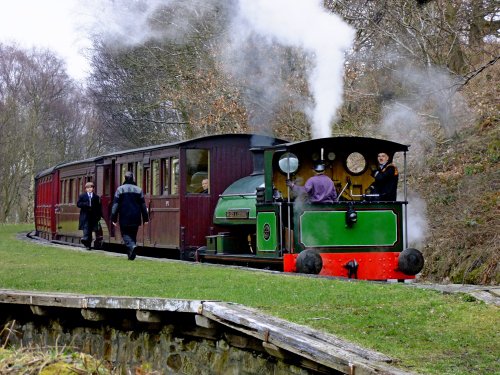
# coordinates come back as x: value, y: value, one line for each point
x: 129, y: 205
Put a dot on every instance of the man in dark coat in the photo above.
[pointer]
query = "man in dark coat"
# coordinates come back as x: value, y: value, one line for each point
x: 129, y: 206
x: 386, y: 179
x: 90, y: 214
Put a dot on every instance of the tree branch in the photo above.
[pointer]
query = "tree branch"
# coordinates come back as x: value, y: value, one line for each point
x: 471, y: 75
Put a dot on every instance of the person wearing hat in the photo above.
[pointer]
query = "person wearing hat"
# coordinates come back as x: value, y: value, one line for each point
x: 320, y: 188
x: 130, y: 207
x: 386, y: 179
x: 90, y: 214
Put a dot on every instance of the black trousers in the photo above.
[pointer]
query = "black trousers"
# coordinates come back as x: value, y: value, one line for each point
x: 87, y: 229
x: 129, y: 235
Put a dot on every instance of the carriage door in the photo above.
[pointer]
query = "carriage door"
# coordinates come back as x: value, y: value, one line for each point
x: 162, y: 198
x: 105, y: 189
x: 197, y: 210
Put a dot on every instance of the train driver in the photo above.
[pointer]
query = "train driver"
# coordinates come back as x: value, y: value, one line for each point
x: 386, y: 179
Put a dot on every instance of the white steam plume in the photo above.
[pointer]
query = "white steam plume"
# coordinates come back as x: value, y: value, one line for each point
x: 418, y: 227
x: 257, y: 26
x: 306, y: 25
x: 432, y: 102
x: 432, y: 107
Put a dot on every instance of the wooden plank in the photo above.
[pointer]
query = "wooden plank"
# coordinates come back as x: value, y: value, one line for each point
x: 318, y: 347
x: 103, y: 302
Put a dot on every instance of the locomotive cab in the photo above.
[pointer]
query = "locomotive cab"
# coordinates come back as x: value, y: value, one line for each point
x: 358, y: 235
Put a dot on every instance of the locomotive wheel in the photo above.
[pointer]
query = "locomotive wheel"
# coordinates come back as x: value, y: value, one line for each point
x: 410, y: 261
x: 309, y: 262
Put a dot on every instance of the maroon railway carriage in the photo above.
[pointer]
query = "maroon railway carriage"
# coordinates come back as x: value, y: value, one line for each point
x: 56, y: 193
x: 181, y: 216
x: 46, y: 199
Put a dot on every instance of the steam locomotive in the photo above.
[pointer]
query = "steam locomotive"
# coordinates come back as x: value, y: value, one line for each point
x: 249, y: 215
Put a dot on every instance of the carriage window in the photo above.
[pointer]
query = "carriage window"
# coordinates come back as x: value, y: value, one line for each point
x: 155, y: 174
x: 197, y: 169
x: 72, y: 190
x: 63, y: 191
x: 138, y: 174
x: 174, y: 176
x: 147, y: 180
x: 66, y: 191
x: 165, y: 176
x: 123, y: 170
x: 107, y: 181
x: 135, y: 168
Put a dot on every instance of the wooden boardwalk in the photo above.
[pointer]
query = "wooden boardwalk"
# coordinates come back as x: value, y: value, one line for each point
x: 279, y: 338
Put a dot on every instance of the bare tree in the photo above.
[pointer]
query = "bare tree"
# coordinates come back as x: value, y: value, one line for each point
x: 167, y: 89
x: 40, y: 124
x: 418, y: 54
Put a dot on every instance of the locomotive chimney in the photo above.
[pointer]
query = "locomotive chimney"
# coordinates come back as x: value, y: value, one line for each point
x: 258, y: 161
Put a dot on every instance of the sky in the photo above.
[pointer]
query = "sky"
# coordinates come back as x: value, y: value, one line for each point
x: 60, y: 25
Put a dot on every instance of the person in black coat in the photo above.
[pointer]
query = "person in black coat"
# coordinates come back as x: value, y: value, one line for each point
x: 129, y: 206
x: 386, y: 179
x: 90, y: 214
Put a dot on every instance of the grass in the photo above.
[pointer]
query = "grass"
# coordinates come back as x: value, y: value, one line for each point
x: 58, y: 361
x: 425, y: 331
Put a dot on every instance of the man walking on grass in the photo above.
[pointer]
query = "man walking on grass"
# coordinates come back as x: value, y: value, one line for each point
x: 129, y: 205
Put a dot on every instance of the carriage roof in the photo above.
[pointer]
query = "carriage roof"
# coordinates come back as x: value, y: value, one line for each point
x: 257, y: 140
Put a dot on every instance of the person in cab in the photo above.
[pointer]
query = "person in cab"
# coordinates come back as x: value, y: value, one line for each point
x: 319, y: 188
x: 386, y: 179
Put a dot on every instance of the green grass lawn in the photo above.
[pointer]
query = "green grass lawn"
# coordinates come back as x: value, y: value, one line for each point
x: 424, y: 330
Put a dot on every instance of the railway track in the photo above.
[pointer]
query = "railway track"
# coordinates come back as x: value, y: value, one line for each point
x: 488, y: 294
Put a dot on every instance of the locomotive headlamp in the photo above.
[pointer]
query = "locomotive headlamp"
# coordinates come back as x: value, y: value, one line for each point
x: 351, y: 216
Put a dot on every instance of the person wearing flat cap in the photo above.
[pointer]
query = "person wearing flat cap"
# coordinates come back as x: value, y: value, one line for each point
x: 320, y: 188
x: 386, y: 179
x: 90, y: 214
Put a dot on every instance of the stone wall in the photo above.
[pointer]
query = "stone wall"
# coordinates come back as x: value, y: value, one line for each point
x: 173, y: 336
x: 177, y: 346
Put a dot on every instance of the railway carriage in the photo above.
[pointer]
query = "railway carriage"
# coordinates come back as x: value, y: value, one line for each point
x: 170, y: 176
x: 249, y: 216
